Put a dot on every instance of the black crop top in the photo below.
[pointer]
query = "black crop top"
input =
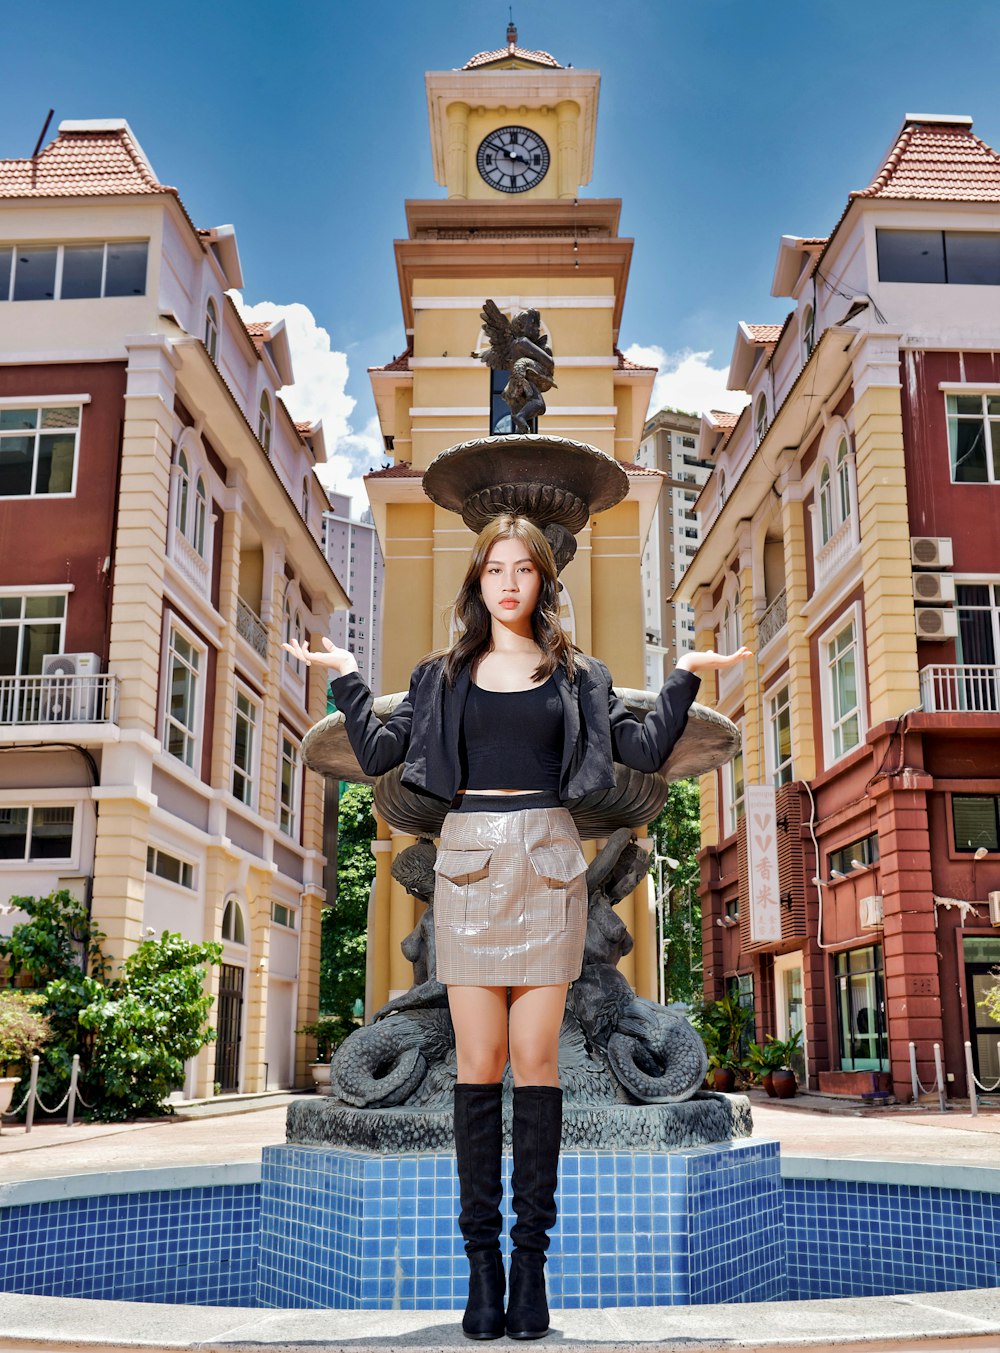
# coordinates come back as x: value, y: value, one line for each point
x: 512, y: 739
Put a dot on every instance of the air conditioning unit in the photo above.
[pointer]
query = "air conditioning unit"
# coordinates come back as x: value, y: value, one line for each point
x: 930, y: 551
x: 870, y: 912
x: 71, y: 701
x: 935, y: 624
x: 932, y: 588
x: 994, y: 900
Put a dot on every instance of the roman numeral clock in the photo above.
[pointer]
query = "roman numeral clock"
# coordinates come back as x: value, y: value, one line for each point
x: 512, y: 159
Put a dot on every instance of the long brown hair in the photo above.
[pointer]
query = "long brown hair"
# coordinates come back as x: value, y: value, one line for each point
x: 474, y: 620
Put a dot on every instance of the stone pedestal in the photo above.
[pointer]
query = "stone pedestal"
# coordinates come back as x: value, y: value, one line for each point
x: 348, y: 1229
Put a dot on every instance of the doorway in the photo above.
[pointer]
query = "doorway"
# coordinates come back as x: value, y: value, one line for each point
x: 982, y: 958
x: 789, y: 1008
x: 229, y: 1029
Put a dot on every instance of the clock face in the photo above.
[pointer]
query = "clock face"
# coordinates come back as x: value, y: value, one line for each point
x: 513, y: 159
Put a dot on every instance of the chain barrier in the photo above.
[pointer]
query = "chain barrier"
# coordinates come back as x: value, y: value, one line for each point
x: 938, y: 1086
x: 974, y: 1082
x: 72, y: 1097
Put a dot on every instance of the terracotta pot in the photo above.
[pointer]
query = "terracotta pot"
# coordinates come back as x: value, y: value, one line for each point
x: 767, y: 1081
x: 784, y: 1082
x: 724, y: 1079
x: 7, y: 1087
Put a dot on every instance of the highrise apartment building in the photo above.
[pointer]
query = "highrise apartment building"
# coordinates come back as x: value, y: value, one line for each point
x: 670, y: 445
x: 354, y: 554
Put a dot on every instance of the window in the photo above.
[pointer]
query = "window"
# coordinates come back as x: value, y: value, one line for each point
x: 842, y: 690
x: 808, y: 332
x: 735, y: 790
x: 978, y: 647
x: 38, y: 448
x: 974, y: 438
x: 36, y: 833
x: 246, y: 725
x: 183, y: 493
x: 843, y: 480
x: 865, y: 852
x: 305, y: 500
x: 282, y: 915
x: 732, y: 625
x: 212, y: 329
x: 169, y: 867
x: 233, y: 926
x: 183, y: 714
x: 825, y: 506
x: 292, y: 625
x: 861, y: 1010
x: 722, y: 488
x: 30, y: 628
x: 957, y: 257
x: 781, y: 737
x: 70, y: 272
x: 976, y: 819
x: 264, y: 422
x: 288, y: 803
x: 760, y: 421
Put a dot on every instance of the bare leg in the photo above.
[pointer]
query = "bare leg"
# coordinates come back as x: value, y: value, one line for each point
x: 479, y: 1016
x: 536, y: 1016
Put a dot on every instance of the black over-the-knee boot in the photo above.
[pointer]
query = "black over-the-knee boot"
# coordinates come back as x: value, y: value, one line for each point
x: 537, y: 1131
x: 478, y: 1151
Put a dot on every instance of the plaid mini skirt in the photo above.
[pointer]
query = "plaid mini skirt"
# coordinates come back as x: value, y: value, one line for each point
x: 510, y: 899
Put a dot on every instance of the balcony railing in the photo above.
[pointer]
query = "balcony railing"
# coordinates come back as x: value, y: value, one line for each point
x: 835, y: 552
x: 960, y: 689
x: 775, y: 618
x: 194, y: 567
x: 250, y: 627
x: 58, y: 699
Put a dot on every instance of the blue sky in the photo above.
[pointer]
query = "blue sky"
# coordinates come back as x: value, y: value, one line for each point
x: 722, y: 124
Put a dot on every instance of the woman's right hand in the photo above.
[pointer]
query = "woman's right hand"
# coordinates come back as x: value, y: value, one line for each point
x: 338, y: 659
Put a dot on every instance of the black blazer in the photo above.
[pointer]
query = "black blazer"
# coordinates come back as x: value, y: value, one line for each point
x: 423, y: 730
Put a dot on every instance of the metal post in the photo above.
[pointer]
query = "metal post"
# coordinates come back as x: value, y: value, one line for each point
x: 914, y: 1080
x: 71, y: 1102
x: 939, y: 1077
x: 32, y: 1092
x: 971, y: 1081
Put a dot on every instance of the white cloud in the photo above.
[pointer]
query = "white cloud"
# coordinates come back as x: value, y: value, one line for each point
x: 686, y: 381
x: 320, y: 392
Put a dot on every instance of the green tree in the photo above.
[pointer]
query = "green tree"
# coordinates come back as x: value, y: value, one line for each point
x: 677, y: 833
x: 345, y: 924
x: 51, y: 953
x: 146, y: 1023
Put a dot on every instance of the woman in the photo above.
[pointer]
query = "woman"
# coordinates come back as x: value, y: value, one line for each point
x: 507, y: 727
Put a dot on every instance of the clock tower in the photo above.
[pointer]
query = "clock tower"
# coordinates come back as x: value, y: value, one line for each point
x: 512, y: 141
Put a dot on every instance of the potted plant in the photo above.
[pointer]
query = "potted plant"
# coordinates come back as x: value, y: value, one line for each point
x: 723, y: 1025
x: 329, y: 1032
x: 763, y: 1059
x: 23, y: 1030
x: 783, y: 1076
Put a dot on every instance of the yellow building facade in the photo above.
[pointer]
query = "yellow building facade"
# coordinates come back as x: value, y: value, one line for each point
x: 524, y: 239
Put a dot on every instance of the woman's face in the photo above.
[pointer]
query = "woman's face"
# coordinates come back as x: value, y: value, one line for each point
x: 510, y: 584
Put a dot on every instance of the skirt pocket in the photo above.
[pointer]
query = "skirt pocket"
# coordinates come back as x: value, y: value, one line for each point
x: 462, y: 889
x: 559, y: 867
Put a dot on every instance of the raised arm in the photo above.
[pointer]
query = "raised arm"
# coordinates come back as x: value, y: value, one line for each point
x: 378, y: 746
x: 645, y: 744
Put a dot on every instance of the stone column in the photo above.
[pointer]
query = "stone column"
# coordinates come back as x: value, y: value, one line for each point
x: 377, y: 965
x: 255, y: 1001
x: 890, y: 626
x: 568, y: 147
x: 753, y: 731
x: 458, y: 150
x: 400, y: 973
x: 645, y: 956
x: 800, y: 685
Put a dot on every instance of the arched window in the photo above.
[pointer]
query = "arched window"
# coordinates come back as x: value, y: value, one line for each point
x: 183, y: 492
x: 826, y: 527
x: 844, y: 479
x: 233, y: 926
x: 200, y: 517
x: 212, y: 329
x: 736, y: 637
x: 264, y: 422
x: 305, y: 500
x: 760, y: 421
x: 808, y: 332
x: 722, y: 488
x: 293, y: 629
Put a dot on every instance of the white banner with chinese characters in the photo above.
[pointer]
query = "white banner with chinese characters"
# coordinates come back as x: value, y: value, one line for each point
x: 762, y: 864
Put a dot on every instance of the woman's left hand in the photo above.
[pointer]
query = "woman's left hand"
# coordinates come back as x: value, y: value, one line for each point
x: 708, y: 660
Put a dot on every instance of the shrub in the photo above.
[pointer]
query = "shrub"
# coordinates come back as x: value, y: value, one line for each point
x: 23, y: 1028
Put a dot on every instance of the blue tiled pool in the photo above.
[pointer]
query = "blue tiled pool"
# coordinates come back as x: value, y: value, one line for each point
x: 193, y: 1236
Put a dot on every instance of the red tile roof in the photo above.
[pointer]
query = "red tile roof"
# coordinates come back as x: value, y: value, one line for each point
x: 938, y: 161
x: 765, y: 333
x: 82, y: 164
x: 404, y: 470
x: 630, y: 467
x: 400, y: 363
x: 258, y: 328
x: 625, y: 365
x: 725, y: 419
x: 505, y: 53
